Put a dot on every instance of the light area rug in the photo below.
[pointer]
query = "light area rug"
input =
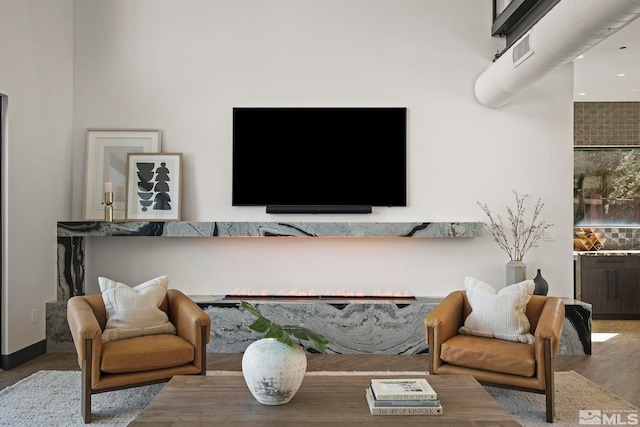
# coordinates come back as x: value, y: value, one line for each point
x: 574, y: 393
x: 52, y: 398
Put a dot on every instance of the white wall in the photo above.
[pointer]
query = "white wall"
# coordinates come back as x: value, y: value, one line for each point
x: 182, y: 66
x: 36, y: 60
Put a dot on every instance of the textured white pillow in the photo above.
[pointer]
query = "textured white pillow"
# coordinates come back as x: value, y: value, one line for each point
x: 133, y: 312
x: 499, y: 314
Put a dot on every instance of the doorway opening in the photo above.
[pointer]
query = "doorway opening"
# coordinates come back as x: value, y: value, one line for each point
x: 3, y: 109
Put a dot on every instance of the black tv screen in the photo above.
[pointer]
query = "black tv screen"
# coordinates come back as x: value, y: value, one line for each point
x: 319, y: 157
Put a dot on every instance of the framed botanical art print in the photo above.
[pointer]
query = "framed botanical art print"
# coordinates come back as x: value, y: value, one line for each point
x: 154, y: 181
x: 107, y: 151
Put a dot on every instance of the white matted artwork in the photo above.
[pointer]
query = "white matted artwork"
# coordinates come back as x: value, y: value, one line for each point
x: 154, y: 182
x: 107, y: 151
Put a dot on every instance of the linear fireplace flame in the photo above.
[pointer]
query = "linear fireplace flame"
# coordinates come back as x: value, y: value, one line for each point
x: 295, y: 293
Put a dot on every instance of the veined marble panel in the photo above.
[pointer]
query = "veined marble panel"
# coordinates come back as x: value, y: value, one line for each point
x: 576, y: 333
x: 358, y: 326
x: 59, y: 338
x: 71, y: 237
x: 365, y: 326
x: 268, y: 229
x: 362, y: 326
x: 370, y: 326
x: 350, y: 229
x: 70, y: 280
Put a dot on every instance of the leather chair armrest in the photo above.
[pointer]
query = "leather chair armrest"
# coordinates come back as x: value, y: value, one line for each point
x: 87, y: 338
x: 446, y: 318
x: 188, y: 318
x: 550, y: 325
x: 83, y: 324
x: 547, y: 335
x: 441, y: 324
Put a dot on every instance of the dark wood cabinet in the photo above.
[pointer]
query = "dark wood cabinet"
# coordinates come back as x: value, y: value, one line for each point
x: 611, y: 283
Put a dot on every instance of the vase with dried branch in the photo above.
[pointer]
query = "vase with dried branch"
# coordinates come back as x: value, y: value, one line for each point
x: 518, y: 235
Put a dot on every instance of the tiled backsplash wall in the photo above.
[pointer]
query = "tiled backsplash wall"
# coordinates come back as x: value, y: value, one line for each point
x: 619, y: 238
x: 609, y: 123
x: 606, y: 123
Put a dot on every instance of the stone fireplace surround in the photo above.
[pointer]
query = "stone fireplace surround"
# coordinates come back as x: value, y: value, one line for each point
x: 72, y: 235
x: 356, y: 325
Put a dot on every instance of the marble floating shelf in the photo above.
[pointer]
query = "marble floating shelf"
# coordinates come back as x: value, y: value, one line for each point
x: 270, y: 229
x: 72, y: 235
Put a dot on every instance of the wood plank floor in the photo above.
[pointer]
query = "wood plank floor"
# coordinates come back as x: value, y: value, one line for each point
x: 614, y: 364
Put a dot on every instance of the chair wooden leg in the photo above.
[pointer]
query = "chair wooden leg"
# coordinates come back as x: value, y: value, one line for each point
x: 203, y: 350
x: 86, y: 384
x: 549, y: 382
x: 430, y: 341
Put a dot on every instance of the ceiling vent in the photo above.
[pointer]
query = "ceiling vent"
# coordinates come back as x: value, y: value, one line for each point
x: 568, y: 30
x: 522, y: 50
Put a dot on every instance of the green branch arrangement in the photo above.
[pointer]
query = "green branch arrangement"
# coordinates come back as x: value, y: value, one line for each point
x: 284, y: 334
x: 523, y: 237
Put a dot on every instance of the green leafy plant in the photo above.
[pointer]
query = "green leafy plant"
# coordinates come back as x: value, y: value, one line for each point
x: 284, y: 334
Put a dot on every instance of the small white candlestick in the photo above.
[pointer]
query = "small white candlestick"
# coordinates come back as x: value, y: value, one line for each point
x: 108, y: 187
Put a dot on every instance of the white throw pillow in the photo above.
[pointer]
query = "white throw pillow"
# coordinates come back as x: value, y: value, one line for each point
x: 133, y: 312
x: 498, y: 314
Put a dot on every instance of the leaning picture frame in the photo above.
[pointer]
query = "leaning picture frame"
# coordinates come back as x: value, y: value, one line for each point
x: 106, y: 161
x: 154, y: 184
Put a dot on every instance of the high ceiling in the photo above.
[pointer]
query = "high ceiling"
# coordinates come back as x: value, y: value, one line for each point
x: 596, y: 75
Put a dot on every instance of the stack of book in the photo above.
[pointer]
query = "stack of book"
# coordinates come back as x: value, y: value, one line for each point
x: 402, y: 397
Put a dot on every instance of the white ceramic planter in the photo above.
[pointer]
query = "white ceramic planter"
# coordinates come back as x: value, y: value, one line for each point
x: 273, y: 371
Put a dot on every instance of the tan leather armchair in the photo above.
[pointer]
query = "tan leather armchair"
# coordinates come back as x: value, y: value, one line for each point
x: 141, y: 360
x: 492, y: 361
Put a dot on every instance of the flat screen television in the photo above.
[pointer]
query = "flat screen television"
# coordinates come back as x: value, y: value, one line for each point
x: 319, y: 160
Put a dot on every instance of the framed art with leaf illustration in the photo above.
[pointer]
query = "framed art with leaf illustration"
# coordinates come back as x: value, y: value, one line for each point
x: 106, y: 161
x: 154, y: 182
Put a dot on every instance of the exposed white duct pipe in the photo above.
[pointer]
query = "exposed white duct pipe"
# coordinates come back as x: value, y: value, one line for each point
x: 568, y: 30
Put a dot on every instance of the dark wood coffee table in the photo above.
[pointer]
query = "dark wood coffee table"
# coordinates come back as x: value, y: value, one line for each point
x: 330, y: 400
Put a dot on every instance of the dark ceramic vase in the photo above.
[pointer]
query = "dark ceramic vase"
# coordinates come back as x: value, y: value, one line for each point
x: 542, y: 287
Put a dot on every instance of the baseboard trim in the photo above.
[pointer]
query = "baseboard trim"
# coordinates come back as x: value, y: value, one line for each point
x: 10, y: 361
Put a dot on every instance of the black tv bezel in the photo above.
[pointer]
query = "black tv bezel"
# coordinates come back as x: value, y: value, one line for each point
x: 322, y: 208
